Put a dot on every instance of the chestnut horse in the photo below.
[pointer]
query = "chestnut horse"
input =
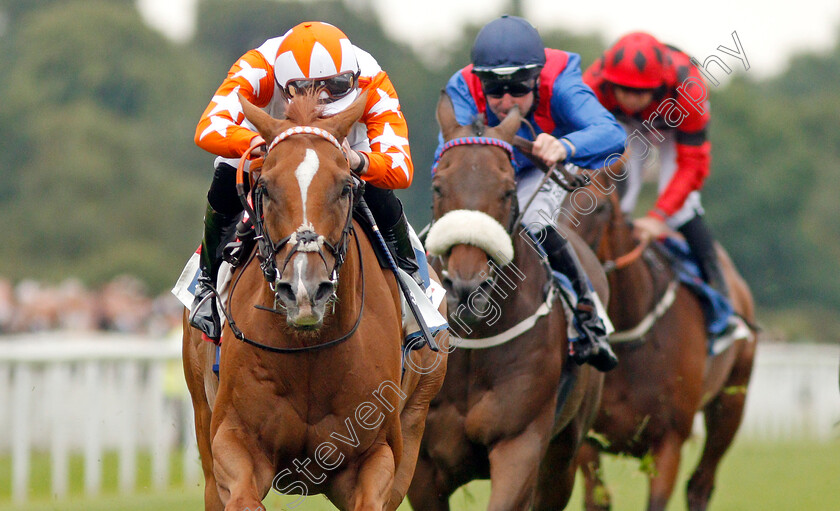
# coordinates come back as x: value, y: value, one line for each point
x: 310, y: 397
x: 501, y: 413
x: 666, y: 373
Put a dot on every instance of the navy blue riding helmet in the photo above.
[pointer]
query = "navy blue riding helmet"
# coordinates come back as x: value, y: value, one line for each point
x: 508, y: 49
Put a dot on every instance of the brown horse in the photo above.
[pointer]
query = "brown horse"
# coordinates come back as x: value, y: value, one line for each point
x: 310, y: 396
x: 666, y: 374
x: 515, y: 412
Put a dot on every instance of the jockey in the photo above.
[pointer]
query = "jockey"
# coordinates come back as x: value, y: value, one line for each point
x: 649, y: 85
x: 511, y: 67
x: 310, y: 55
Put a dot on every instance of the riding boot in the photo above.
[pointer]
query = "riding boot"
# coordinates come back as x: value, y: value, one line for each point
x: 398, y: 240
x: 388, y: 212
x: 702, y: 245
x: 219, y: 229
x: 593, y: 347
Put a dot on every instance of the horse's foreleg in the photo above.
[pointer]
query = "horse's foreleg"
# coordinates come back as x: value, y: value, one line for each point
x: 428, y: 490
x: 194, y: 363
x: 722, y: 417
x: 413, y: 419
x: 666, y: 459
x: 413, y: 424
x: 596, y: 495
x: 212, y: 502
x: 556, y: 479
x: 242, y: 481
x: 514, y: 463
x: 375, y: 479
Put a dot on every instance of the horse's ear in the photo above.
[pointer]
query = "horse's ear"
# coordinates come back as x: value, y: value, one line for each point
x: 508, y: 127
x: 267, y: 125
x: 446, y: 115
x: 341, y: 123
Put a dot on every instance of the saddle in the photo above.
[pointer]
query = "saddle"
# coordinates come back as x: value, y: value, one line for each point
x: 723, y: 326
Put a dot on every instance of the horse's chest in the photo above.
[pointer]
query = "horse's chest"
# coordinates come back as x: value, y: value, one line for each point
x: 505, y: 409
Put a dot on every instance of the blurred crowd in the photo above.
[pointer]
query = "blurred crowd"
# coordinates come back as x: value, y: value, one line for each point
x: 120, y: 305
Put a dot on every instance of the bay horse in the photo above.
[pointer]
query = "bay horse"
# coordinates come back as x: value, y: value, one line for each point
x: 309, y: 397
x: 501, y: 413
x: 666, y: 374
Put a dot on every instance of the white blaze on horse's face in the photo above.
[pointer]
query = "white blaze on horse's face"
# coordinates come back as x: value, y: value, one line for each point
x: 304, y: 173
x: 305, y: 288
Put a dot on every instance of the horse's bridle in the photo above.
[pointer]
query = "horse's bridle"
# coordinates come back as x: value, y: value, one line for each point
x: 479, y: 139
x: 304, y: 239
x: 514, y: 215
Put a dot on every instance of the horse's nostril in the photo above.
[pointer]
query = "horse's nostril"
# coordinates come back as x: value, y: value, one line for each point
x: 325, y: 289
x: 285, y: 292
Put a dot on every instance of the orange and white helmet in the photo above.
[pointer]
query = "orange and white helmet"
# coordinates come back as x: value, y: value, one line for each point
x: 320, y: 56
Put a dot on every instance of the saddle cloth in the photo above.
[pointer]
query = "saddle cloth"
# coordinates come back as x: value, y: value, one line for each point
x: 717, y: 310
x: 428, y: 301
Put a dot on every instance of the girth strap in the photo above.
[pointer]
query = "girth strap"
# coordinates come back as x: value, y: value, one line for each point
x: 646, y: 324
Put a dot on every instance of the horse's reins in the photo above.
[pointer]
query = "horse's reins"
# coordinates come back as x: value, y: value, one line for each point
x: 659, y: 309
x: 569, y: 178
x: 629, y: 258
x: 303, y: 240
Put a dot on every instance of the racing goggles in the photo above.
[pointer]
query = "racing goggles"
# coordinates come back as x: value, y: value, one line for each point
x: 516, y: 81
x: 336, y: 87
x: 497, y: 89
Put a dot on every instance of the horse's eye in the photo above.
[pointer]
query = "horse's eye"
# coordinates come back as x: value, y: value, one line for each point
x: 345, y: 192
x: 261, y: 191
x: 510, y: 193
x: 436, y: 191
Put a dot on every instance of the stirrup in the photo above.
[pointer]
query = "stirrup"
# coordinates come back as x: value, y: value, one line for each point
x: 414, y: 273
x: 592, y: 348
x: 204, y: 316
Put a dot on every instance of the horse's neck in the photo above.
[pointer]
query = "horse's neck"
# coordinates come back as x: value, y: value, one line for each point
x: 634, y: 288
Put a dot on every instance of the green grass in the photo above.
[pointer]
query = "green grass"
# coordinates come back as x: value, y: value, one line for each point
x: 754, y: 476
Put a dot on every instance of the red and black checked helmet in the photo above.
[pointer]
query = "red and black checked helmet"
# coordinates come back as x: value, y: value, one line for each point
x: 636, y: 61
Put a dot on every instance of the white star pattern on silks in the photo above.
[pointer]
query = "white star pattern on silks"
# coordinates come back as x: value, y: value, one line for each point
x: 229, y: 103
x: 217, y: 124
x: 398, y: 160
x: 389, y: 139
x: 252, y: 74
x: 386, y: 104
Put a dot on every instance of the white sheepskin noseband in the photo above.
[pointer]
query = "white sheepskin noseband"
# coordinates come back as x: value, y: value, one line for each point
x: 469, y: 227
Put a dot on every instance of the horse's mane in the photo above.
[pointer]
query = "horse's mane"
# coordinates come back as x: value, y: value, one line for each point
x: 304, y: 109
x: 479, y: 125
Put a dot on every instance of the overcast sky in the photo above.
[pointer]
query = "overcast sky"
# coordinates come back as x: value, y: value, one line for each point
x: 769, y: 33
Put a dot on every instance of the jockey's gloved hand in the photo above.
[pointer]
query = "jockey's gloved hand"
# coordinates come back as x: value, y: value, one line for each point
x: 260, y: 149
x: 356, y: 159
x: 550, y: 149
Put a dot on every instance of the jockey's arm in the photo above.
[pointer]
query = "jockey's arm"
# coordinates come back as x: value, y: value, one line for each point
x: 593, y: 134
x: 693, y: 158
x: 389, y: 162
x: 693, y: 150
x: 219, y: 130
